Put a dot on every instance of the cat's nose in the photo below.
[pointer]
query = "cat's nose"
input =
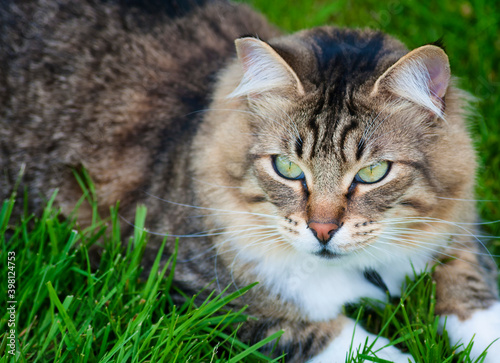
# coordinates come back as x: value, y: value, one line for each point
x: 323, y: 231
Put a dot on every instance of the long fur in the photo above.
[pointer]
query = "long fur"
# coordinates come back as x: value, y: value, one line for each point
x: 161, y: 108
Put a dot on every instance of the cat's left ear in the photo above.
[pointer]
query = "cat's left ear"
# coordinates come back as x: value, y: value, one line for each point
x: 264, y: 70
x: 421, y: 76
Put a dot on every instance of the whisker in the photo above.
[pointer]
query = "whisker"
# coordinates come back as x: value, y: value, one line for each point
x: 263, y: 240
x: 201, y: 233
x: 232, y: 264
x: 417, y: 231
x: 445, y: 246
x: 216, y: 185
x: 469, y: 200
x: 250, y: 236
x: 417, y: 243
x: 367, y: 250
x: 436, y: 220
x: 458, y: 225
x: 211, y: 209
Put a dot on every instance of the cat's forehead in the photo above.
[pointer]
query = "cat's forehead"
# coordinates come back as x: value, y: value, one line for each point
x: 339, y: 60
x: 338, y: 68
x: 325, y: 131
x: 329, y: 139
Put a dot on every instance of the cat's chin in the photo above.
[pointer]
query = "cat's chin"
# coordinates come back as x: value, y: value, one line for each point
x: 328, y: 254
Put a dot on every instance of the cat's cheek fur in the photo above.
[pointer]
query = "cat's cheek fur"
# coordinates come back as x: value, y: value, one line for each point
x: 483, y: 326
x: 355, y: 336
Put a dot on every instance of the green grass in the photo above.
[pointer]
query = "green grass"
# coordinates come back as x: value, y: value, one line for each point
x: 410, y: 323
x: 67, y: 311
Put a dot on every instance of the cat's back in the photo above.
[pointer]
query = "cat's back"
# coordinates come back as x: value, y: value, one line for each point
x: 112, y: 86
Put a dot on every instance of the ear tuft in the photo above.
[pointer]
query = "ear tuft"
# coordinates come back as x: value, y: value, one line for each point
x: 422, y: 76
x: 264, y: 69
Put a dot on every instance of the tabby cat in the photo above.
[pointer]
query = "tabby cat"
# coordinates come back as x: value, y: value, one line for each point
x: 326, y: 165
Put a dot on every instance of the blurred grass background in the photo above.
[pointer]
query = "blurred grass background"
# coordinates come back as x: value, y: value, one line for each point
x: 470, y: 32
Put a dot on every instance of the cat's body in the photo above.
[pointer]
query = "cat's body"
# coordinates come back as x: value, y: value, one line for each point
x: 259, y: 158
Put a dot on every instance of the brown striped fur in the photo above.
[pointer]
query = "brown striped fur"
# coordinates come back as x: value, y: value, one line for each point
x: 145, y: 102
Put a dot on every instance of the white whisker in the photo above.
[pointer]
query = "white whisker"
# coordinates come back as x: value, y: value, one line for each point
x: 211, y: 209
x: 216, y: 185
x: 418, y: 231
x: 442, y: 246
x: 419, y: 244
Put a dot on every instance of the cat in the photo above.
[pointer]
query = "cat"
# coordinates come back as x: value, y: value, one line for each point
x: 326, y: 164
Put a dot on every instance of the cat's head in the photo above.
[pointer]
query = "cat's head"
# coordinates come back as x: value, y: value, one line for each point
x: 341, y: 140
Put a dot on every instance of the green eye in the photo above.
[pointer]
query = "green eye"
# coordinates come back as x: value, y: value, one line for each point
x: 373, y: 173
x: 286, y: 169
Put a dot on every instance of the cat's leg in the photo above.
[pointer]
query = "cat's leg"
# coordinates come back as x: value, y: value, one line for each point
x: 483, y: 326
x: 355, y: 336
x: 466, y: 298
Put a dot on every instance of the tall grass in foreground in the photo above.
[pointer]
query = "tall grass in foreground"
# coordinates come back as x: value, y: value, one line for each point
x: 68, y: 312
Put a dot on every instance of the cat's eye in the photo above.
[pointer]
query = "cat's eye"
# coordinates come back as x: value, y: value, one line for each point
x: 287, y: 169
x: 373, y: 173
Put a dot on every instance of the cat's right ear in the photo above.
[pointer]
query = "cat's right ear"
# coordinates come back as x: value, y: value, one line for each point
x: 264, y: 70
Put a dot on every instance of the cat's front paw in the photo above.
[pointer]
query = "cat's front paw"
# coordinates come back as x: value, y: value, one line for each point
x: 483, y: 326
x: 353, y: 338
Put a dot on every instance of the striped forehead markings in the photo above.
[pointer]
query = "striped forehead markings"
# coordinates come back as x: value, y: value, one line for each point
x: 348, y: 128
x: 332, y: 140
x: 313, y: 124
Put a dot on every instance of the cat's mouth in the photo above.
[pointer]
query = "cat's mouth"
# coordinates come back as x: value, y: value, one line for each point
x: 327, y: 254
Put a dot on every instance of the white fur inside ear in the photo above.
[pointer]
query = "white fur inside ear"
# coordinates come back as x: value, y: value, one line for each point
x: 483, y: 326
x: 413, y: 82
x: 263, y: 69
x: 422, y: 76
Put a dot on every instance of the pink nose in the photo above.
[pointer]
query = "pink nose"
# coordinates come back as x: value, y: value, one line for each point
x: 323, y: 231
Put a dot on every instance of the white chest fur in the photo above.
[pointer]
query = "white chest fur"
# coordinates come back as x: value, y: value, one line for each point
x: 320, y: 288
